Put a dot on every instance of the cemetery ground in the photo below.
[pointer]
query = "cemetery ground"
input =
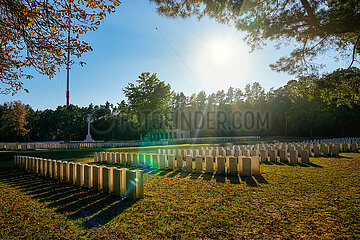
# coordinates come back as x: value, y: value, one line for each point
x: 318, y: 200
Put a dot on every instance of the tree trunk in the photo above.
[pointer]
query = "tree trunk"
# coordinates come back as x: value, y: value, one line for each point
x: 286, y: 123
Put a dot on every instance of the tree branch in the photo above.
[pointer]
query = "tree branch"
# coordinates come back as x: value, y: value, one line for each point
x: 312, y: 18
x: 354, y: 51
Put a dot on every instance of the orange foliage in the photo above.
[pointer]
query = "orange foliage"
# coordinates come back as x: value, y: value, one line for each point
x: 14, y: 118
x: 33, y: 34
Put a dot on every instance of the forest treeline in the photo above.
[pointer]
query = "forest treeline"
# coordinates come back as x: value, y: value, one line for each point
x: 151, y: 106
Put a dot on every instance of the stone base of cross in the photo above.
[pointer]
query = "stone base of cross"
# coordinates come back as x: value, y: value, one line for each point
x: 88, y: 138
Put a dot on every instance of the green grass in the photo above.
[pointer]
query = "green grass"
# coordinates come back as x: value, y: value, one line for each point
x: 320, y: 200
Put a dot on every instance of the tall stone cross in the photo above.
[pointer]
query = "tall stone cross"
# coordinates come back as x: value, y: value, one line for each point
x: 88, y: 136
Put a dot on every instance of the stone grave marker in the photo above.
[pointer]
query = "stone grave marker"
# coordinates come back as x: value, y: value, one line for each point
x: 65, y: 171
x: 162, y: 164
x: 283, y: 156
x: 53, y: 169
x: 171, y: 162
x: 58, y: 170
x: 79, y: 174
x: 209, y: 164
x: 198, y: 164
x: 106, y: 180
x: 255, y: 165
x: 72, y: 173
x: 179, y: 162
x: 219, y: 165
x: 126, y: 182
x: 273, y: 155
x: 232, y: 165
x: 188, y: 166
x: 88, y: 177
x: 156, y: 161
x: 263, y: 155
x: 294, y: 156
x: 246, y: 166
x: 305, y: 156
x: 117, y: 182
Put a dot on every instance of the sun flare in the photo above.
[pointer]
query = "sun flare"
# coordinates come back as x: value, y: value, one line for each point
x: 219, y: 52
x: 221, y: 61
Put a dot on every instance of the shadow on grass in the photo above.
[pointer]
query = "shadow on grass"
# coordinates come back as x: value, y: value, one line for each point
x: 249, y: 181
x: 267, y: 163
x: 155, y: 171
x: 164, y: 172
x: 195, y: 175
x: 302, y: 164
x: 290, y: 164
x: 234, y: 179
x: 114, y: 207
x: 219, y: 178
x: 261, y: 179
x: 207, y: 176
x: 173, y: 174
x: 314, y: 165
x: 278, y: 163
x: 117, y: 165
x: 146, y: 170
x: 76, y: 202
x: 184, y: 174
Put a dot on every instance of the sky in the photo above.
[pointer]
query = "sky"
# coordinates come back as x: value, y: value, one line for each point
x: 188, y: 54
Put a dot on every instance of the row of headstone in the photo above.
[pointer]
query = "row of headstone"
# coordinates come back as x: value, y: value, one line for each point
x: 345, y: 145
x: 283, y: 156
x: 78, y: 145
x: 242, y: 165
x: 313, y: 149
x: 334, y: 140
x: 222, y: 138
x: 209, y: 152
x: 120, y: 182
x: 15, y: 147
x: 73, y: 145
x: 263, y: 153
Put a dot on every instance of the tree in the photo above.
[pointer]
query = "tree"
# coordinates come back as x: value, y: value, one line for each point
x: 316, y: 26
x: 238, y: 96
x: 104, y: 121
x: 69, y: 123
x: 341, y: 87
x: 220, y: 98
x: 211, y: 101
x: 230, y: 94
x: 201, y: 100
x: 254, y: 93
x: 281, y: 101
x: 179, y: 101
x: 149, y: 103
x: 34, y: 34
x: 13, y: 121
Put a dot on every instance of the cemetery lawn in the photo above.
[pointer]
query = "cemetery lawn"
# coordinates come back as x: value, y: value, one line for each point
x: 319, y: 200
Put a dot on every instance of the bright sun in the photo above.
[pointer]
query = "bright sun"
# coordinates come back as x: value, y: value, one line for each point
x: 219, y: 52
x: 221, y: 61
